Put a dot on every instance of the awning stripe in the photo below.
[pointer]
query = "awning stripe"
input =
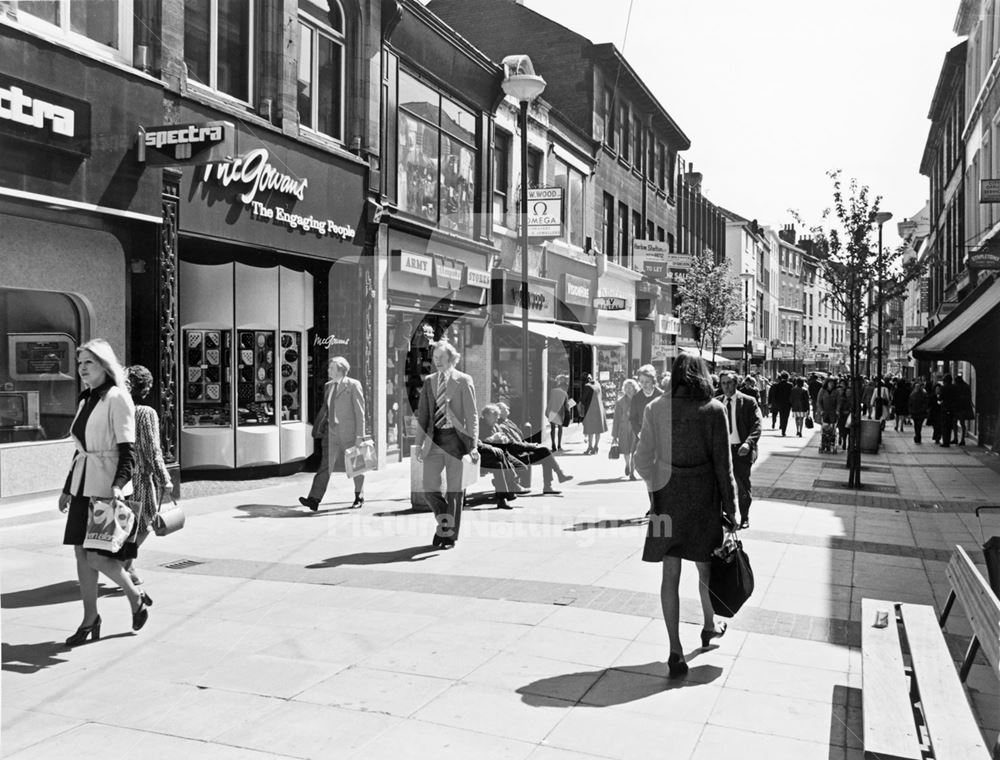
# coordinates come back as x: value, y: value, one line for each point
x: 558, y: 332
x: 939, y: 340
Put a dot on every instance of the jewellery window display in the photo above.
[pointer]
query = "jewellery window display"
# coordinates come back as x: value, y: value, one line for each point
x: 291, y: 384
x: 206, y: 378
x: 255, y: 377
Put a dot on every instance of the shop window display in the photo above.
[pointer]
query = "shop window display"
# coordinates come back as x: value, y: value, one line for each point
x: 255, y: 378
x: 207, y: 378
x: 291, y: 384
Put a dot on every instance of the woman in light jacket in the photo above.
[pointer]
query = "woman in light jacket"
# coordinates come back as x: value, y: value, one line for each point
x: 557, y: 412
x: 592, y: 408
x: 621, y: 428
x: 104, y: 432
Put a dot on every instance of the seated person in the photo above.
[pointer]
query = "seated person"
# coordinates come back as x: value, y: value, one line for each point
x: 504, y: 471
x: 508, y: 436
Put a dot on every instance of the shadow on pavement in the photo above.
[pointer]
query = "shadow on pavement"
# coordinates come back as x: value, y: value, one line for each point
x: 614, y: 686
x: 412, y: 554
x: 629, y: 522
x: 54, y: 593
x: 604, y: 481
x: 284, y: 510
x: 30, y: 658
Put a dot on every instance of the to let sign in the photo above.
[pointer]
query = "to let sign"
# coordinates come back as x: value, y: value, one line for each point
x: 989, y: 191
x: 545, y: 206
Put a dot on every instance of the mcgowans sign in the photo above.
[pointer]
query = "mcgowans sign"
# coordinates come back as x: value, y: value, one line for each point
x: 260, y: 179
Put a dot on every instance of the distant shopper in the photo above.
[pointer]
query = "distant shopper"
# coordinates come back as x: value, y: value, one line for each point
x: 622, y: 432
x: 749, y: 388
x: 799, y: 399
x: 557, y: 412
x: 684, y: 457
x: 965, y: 410
x: 595, y: 422
x: 340, y: 424
x: 744, y: 422
x: 814, y: 385
x: 934, y: 412
x: 104, y: 433
x: 949, y: 410
x: 780, y: 401
x: 901, y: 403
x: 150, y: 479
x: 646, y: 378
x: 529, y: 453
x: 918, y: 408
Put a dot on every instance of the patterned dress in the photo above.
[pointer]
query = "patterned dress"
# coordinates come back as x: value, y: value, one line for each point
x: 149, y: 477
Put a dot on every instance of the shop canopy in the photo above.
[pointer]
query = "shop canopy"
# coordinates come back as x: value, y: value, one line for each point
x: 558, y: 332
x: 707, y: 355
x: 967, y: 333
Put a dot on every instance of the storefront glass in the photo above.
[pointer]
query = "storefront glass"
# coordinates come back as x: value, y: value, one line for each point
x: 611, y: 373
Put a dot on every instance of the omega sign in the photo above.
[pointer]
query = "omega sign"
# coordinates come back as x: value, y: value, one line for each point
x: 545, y: 211
x: 38, y: 115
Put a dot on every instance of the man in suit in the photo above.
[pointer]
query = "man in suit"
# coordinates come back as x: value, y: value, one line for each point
x: 340, y: 424
x: 780, y: 401
x: 744, y: 419
x: 447, y: 430
x: 529, y: 453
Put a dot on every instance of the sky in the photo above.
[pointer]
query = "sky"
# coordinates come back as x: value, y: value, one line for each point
x: 773, y: 94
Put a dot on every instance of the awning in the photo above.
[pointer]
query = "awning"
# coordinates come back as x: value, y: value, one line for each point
x: 706, y: 355
x: 558, y: 332
x: 968, y: 332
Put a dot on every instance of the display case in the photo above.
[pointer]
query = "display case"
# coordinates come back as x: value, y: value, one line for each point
x: 255, y: 378
x: 290, y: 359
x: 207, y: 397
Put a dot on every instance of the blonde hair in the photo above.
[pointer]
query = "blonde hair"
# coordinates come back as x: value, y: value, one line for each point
x: 105, y: 355
x: 341, y: 363
x: 630, y: 383
x: 449, y: 349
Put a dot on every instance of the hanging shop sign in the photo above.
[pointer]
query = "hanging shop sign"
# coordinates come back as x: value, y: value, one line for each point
x: 477, y: 278
x: 545, y: 212
x: 610, y: 303
x: 667, y: 325
x: 413, y: 263
x: 984, y: 259
x: 576, y: 290
x: 914, y: 331
x: 44, y: 117
x: 188, y: 144
x: 989, y: 191
x: 447, y: 274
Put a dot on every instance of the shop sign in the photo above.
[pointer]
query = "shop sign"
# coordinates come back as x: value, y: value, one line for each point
x: 541, y: 297
x: 984, y: 259
x: 989, y: 191
x: 191, y: 144
x: 668, y: 325
x: 925, y: 292
x: 414, y: 263
x: 655, y: 268
x: 914, y: 331
x: 576, y: 290
x: 759, y: 346
x: 41, y: 356
x: 447, y: 276
x: 610, y: 303
x: 44, y: 117
x: 330, y: 341
x: 679, y: 261
x: 477, y: 278
x: 545, y: 205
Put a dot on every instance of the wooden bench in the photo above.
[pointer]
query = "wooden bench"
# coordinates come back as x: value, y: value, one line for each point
x: 913, y: 702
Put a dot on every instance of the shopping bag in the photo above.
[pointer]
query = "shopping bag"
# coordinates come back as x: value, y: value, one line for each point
x: 615, y: 451
x: 360, y: 459
x: 109, y: 524
x: 470, y: 472
x: 809, y: 422
x: 167, y: 521
x: 731, y: 581
x: 570, y: 404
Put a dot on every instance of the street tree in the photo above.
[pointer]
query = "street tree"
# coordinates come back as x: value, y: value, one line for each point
x: 862, y: 280
x: 711, y: 298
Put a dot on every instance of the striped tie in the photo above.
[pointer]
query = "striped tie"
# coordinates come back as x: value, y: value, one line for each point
x: 440, y: 416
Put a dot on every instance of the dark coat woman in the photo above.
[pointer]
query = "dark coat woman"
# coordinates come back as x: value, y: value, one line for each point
x: 826, y: 402
x: 799, y: 397
x: 685, y: 458
x: 592, y: 409
x: 918, y: 405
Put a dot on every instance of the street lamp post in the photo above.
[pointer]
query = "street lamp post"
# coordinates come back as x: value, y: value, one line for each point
x: 880, y: 218
x: 521, y: 83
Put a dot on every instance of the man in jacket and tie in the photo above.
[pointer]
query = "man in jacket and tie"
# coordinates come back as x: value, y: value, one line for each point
x: 447, y: 430
x: 340, y: 424
x: 744, y: 419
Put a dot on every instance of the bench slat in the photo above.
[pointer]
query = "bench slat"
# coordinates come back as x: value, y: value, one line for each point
x: 980, y: 604
x: 953, y: 730
x: 889, y: 728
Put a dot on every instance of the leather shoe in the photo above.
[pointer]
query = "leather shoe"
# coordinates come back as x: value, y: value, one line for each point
x: 551, y: 491
x: 313, y: 504
x: 745, y: 523
x: 139, y: 617
x: 359, y: 501
x: 564, y: 477
x: 503, y: 505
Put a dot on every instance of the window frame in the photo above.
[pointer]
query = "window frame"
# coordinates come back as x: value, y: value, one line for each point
x: 62, y: 31
x: 501, y: 136
x: 213, y: 56
x: 569, y: 212
x: 321, y: 28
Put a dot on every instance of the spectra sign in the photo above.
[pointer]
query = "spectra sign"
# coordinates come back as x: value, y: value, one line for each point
x: 191, y: 144
x: 545, y: 212
x: 43, y: 116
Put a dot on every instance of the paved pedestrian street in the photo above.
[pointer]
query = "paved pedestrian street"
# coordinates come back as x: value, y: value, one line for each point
x: 277, y: 632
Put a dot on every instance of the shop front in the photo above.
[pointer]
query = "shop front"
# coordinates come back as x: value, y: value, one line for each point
x: 271, y: 280
x: 436, y: 290
x: 76, y: 212
x: 615, y: 307
x: 574, y: 358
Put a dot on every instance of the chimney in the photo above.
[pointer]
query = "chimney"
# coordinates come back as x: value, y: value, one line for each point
x: 692, y: 178
x: 787, y: 233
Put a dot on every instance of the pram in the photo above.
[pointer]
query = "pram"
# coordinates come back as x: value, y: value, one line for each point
x: 828, y: 438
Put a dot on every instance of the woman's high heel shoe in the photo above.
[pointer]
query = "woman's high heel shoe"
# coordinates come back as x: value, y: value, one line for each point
x: 359, y: 501
x: 676, y: 665
x: 93, y: 631
x: 715, y: 633
x: 140, y: 616
x: 146, y: 599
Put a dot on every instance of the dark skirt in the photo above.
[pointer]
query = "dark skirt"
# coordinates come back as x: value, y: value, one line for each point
x: 686, y: 521
x: 76, y: 530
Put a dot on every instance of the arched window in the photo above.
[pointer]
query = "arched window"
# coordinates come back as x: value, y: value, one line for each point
x: 320, y: 85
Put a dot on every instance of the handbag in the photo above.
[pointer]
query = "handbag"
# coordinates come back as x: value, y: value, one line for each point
x: 731, y: 580
x: 615, y: 451
x: 809, y: 422
x: 109, y: 524
x: 360, y: 459
x: 167, y: 521
x: 553, y: 417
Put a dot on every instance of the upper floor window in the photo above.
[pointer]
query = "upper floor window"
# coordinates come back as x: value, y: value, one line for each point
x: 571, y: 181
x: 436, y: 164
x: 103, y: 27
x: 218, y: 45
x: 624, y: 131
x: 636, y: 141
x: 501, y: 175
x: 534, y: 168
x: 320, y: 84
x: 609, y: 116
